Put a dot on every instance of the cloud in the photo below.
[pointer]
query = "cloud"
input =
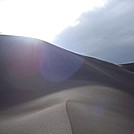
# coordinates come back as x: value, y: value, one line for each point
x: 106, y: 33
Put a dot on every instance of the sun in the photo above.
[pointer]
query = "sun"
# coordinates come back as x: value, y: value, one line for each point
x: 43, y: 19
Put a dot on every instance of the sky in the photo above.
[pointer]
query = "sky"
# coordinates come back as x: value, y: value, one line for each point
x: 43, y: 19
x: 106, y: 33
x: 103, y: 29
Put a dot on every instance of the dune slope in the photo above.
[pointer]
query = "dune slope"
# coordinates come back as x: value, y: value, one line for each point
x: 129, y: 66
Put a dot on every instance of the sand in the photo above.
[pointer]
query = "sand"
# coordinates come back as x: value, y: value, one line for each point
x: 45, y: 89
x: 128, y: 66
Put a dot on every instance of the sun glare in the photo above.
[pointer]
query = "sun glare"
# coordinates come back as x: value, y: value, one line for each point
x: 43, y: 19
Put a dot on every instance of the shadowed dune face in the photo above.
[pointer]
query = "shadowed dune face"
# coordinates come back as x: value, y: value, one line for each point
x: 27, y: 57
x: 59, y: 65
x: 129, y: 66
x: 46, y: 89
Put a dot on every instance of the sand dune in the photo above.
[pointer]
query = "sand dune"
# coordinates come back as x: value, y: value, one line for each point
x: 47, y: 90
x: 129, y: 66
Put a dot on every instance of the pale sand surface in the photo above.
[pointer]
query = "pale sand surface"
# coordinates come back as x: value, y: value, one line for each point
x: 66, y: 94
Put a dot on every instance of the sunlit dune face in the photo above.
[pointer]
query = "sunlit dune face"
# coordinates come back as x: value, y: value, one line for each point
x: 42, y: 19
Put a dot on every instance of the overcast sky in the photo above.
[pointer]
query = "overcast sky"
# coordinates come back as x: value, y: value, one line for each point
x: 106, y: 33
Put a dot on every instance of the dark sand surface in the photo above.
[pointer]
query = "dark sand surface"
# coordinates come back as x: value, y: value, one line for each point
x: 47, y: 90
x: 128, y: 66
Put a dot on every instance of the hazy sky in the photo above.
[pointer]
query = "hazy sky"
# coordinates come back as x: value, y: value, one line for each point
x: 106, y: 33
x: 42, y: 19
x: 98, y: 28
